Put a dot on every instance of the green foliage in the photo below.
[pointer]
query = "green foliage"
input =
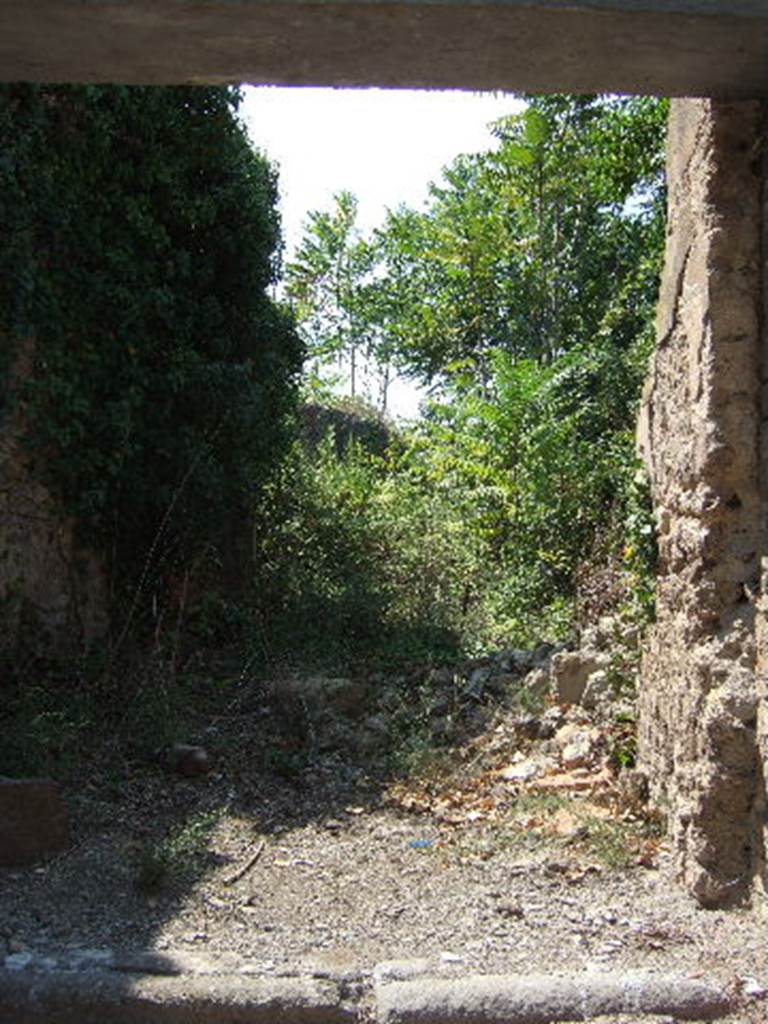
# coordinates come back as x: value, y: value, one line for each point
x: 544, y: 244
x: 55, y: 714
x: 46, y: 727
x: 327, y: 284
x: 641, y: 551
x: 464, y: 533
x: 355, y: 559
x: 140, y: 236
x: 532, y: 464
x: 177, y: 857
x: 525, y: 294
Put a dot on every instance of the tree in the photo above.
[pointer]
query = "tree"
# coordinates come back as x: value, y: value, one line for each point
x: 525, y: 248
x: 524, y: 295
x: 325, y: 283
x: 140, y: 236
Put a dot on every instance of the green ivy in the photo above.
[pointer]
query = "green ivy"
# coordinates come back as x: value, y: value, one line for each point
x: 140, y: 236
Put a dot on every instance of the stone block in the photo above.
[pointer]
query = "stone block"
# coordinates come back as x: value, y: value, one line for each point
x: 33, y: 821
x: 570, y: 671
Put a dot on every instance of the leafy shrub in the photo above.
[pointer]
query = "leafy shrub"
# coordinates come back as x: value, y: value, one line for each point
x: 178, y: 857
x: 140, y: 236
x: 357, y: 558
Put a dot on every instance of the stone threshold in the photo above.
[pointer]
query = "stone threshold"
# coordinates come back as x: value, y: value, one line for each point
x: 105, y: 987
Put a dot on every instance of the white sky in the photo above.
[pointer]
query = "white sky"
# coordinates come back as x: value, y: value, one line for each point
x: 385, y: 145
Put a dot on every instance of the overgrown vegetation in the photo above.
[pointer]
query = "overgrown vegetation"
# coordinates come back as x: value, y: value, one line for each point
x: 140, y: 237
x: 523, y: 299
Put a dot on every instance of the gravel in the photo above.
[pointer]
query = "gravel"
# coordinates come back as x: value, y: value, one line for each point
x: 327, y: 874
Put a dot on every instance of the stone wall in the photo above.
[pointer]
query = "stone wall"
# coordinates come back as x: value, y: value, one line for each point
x: 700, y: 436
x: 53, y: 591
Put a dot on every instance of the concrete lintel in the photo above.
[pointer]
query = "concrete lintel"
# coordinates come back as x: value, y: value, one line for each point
x: 669, y: 47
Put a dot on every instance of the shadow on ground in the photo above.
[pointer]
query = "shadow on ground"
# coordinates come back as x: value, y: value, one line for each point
x: 285, y: 752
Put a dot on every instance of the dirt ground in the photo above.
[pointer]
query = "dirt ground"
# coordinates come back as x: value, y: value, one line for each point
x: 328, y: 863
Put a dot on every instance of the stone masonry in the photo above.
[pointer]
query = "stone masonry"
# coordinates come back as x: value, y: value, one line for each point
x: 700, y: 436
x: 53, y: 591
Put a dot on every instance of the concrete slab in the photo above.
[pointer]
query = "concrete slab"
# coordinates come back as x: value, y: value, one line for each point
x: 103, y: 987
x: 108, y: 997
x: 669, y: 47
x: 543, y: 999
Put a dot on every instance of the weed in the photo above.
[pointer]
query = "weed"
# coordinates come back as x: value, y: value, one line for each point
x: 177, y: 857
x: 613, y: 843
x: 624, y: 753
x: 622, y: 746
x: 416, y: 756
x: 540, y: 804
x: 532, y: 702
x: 47, y: 725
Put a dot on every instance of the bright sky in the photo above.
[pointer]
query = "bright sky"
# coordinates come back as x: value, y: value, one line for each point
x: 385, y: 145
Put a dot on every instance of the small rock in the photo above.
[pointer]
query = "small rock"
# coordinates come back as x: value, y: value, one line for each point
x: 498, y: 684
x: 577, y: 754
x: 188, y: 760
x: 591, y: 638
x: 443, y: 728
x: 440, y: 677
x: 509, y: 908
x: 336, y: 964
x: 608, y: 626
x: 441, y: 704
x: 18, y: 961
x: 515, y: 660
x: 542, y: 653
x: 597, y: 690
x: 400, y: 970
x: 377, y: 724
x: 633, y: 788
x: 751, y: 987
x: 521, y: 772
x: 577, y: 745
x: 533, y: 728
x: 261, y: 967
x: 569, y: 671
x: 477, y: 680
x: 536, y: 683
x: 33, y: 821
x: 347, y: 697
x: 608, y: 948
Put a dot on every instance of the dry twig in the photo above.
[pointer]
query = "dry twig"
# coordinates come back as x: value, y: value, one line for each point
x: 247, y: 866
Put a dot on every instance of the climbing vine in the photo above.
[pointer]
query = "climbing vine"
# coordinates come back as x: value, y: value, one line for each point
x: 140, y: 236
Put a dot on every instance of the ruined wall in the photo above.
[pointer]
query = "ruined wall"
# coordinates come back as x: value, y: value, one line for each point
x: 700, y: 436
x: 53, y: 592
